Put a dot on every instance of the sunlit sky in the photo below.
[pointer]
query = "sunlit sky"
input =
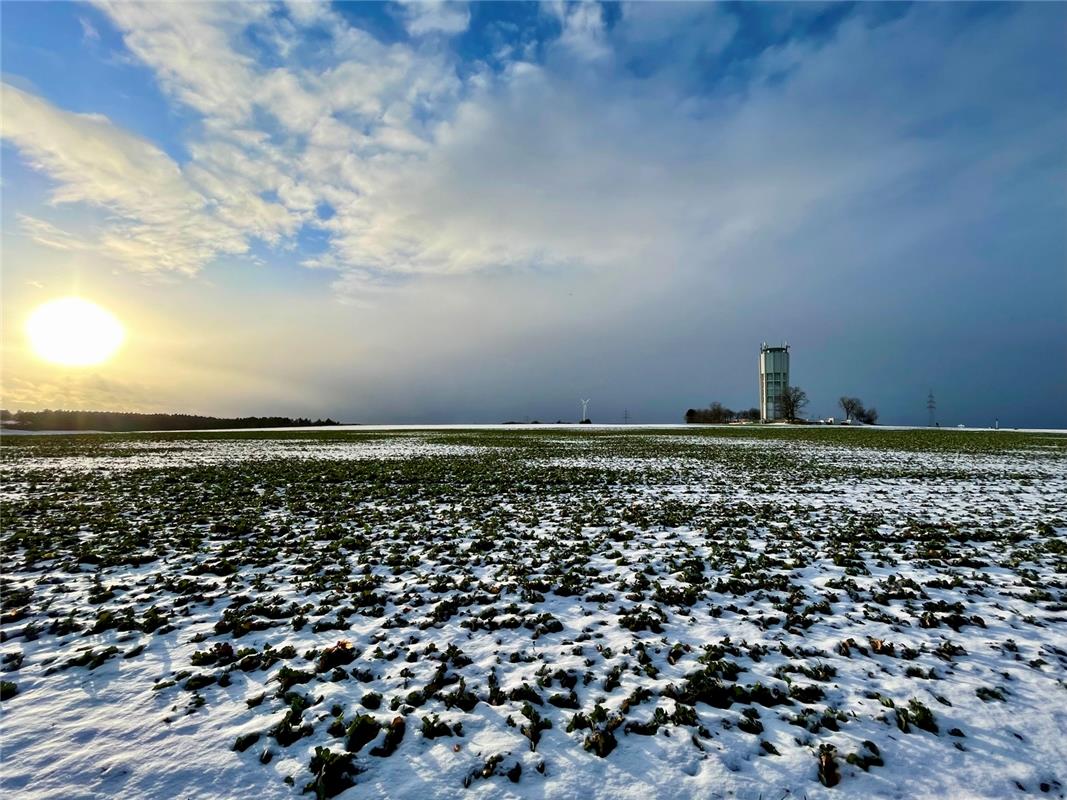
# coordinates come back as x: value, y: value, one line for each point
x: 478, y: 213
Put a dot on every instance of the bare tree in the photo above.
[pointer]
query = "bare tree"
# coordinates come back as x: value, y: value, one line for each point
x: 852, y: 406
x: 854, y: 409
x: 793, y: 401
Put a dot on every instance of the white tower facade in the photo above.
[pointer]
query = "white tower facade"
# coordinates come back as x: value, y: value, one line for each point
x: 773, y: 381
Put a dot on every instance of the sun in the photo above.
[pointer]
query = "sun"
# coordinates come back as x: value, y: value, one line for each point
x: 74, y: 332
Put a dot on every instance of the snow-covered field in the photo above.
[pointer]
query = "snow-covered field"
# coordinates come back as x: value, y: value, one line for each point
x: 613, y: 613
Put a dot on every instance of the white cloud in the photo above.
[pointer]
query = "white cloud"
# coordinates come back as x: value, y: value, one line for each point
x: 583, y: 32
x: 308, y: 12
x: 47, y: 234
x: 423, y: 17
x: 161, y: 223
x: 189, y: 47
x: 536, y: 166
x: 92, y: 159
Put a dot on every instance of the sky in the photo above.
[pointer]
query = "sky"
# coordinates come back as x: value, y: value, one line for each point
x: 449, y: 212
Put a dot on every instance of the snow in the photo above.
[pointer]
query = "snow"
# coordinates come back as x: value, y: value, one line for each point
x: 799, y: 545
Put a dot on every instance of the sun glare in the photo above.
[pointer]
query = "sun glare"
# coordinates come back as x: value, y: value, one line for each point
x: 74, y: 332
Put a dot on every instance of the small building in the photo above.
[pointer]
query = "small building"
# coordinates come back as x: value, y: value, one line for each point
x: 773, y: 381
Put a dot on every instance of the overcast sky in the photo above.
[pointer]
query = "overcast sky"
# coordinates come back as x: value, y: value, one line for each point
x: 478, y: 213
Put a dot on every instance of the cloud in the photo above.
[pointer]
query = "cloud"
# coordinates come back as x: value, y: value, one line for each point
x: 89, y: 31
x: 583, y: 32
x: 47, y: 234
x: 679, y: 39
x: 189, y: 49
x: 277, y: 140
x: 546, y: 169
x: 160, y: 221
x: 430, y: 169
x: 91, y: 159
x: 422, y: 17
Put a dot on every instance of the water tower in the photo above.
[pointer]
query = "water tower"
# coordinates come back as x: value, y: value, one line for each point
x: 773, y: 381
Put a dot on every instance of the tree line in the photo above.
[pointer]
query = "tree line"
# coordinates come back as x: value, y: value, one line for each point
x: 121, y: 421
x: 791, y: 404
x: 718, y: 413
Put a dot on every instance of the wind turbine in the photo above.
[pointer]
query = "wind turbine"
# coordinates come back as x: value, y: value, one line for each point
x: 585, y: 405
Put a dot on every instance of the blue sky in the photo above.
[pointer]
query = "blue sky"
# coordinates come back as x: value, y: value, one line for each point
x: 453, y: 212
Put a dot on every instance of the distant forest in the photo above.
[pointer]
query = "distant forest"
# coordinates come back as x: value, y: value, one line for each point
x: 120, y: 421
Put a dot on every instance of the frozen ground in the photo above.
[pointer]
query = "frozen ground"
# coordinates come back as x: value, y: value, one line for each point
x: 520, y: 613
